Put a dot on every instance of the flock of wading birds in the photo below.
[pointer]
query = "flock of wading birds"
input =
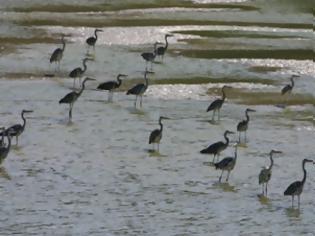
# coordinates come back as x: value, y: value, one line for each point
x: 226, y: 164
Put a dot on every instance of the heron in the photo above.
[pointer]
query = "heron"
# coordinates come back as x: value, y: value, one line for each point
x: 78, y: 72
x: 217, y: 104
x: 2, y: 137
x: 243, y: 125
x: 110, y: 86
x: 218, y: 147
x: 140, y: 89
x: 227, y: 164
x: 156, y: 135
x: 296, y: 188
x: 150, y: 56
x: 4, y: 151
x: 288, y: 88
x: 17, y: 129
x: 92, y: 40
x: 161, y: 50
x: 56, y: 56
x: 265, y: 173
x: 71, y: 97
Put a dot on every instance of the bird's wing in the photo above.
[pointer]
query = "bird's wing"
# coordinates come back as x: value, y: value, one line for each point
x: 223, y: 163
x: 153, y: 135
x: 14, y: 129
x: 215, y: 104
x: 240, y: 124
x: 285, y: 89
x: 263, y: 175
x: 107, y: 85
x: 136, y: 89
x: 212, y: 148
x: 55, y: 54
x: 75, y: 72
x: 70, y: 97
x: 292, y: 188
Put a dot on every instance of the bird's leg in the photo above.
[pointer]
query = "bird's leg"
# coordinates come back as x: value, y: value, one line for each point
x: 239, y: 137
x: 221, y: 176
x: 80, y: 82
x: 245, y: 137
x: 70, y: 112
x: 140, y: 100
x: 136, y: 101
x: 299, y: 201
x: 213, y: 115
x: 17, y: 140
x: 228, y: 175
x: 292, y: 200
x: 158, y: 147
x: 111, y: 96
x: 213, y: 158
x: 263, y: 189
x: 73, y: 83
x: 266, y: 189
x: 218, y: 114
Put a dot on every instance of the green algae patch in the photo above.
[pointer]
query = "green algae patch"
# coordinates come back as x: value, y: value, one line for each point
x: 232, y: 34
x: 296, y: 54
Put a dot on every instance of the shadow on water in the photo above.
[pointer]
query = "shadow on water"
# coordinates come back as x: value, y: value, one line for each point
x: 4, y: 174
x: 226, y: 187
x: 293, y: 212
x: 155, y: 153
x: 263, y: 199
x: 136, y: 111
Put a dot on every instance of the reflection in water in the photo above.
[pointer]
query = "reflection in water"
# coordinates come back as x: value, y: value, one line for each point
x: 136, y: 111
x: 4, y: 173
x: 263, y: 199
x: 292, y: 212
x: 226, y: 187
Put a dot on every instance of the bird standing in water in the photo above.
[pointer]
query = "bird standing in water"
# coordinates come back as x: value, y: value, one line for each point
x: 265, y: 174
x: 161, y: 50
x: 227, y: 164
x: 243, y: 125
x: 111, y: 86
x: 149, y: 56
x: 217, y: 104
x: 156, y: 135
x: 140, y: 89
x: 70, y: 98
x: 296, y: 188
x: 92, y: 40
x: 288, y: 88
x: 18, y: 129
x: 57, y: 55
x: 218, y: 147
x: 78, y: 72
x: 4, y: 151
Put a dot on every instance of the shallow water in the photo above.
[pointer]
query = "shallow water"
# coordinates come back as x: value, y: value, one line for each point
x: 97, y: 175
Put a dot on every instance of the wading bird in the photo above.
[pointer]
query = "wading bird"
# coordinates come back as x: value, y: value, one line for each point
x: 296, y: 188
x: 265, y: 174
x: 56, y: 56
x: 217, y: 147
x: 92, y: 40
x: 217, y: 104
x: 161, y: 50
x: 150, y: 56
x: 78, y: 72
x: 243, y: 125
x: 288, y: 88
x: 227, y: 164
x: 139, y: 89
x: 17, y: 130
x: 156, y: 135
x: 110, y: 86
x: 70, y: 98
x: 4, y: 151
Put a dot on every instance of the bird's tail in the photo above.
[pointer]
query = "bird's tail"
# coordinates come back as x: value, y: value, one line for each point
x: 216, y: 165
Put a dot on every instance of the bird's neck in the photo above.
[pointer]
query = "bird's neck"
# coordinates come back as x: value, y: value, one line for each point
x: 235, y: 154
x: 24, y: 120
x: 304, y: 170
x: 271, y: 161
x: 161, y: 125
x: 83, y: 87
x: 63, y: 45
x: 95, y: 33
x: 84, y: 66
x: 226, y: 139
x: 9, y: 142
x: 247, y: 116
x: 166, y: 43
x: 223, y: 94
x: 119, y: 81
x: 146, y: 81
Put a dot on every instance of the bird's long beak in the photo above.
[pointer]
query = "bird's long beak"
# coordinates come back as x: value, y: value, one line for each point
x: 275, y: 151
x: 28, y: 111
x: 170, y: 35
x: 230, y: 132
x: 251, y: 110
x: 88, y: 78
x: 123, y: 75
x: 165, y: 118
x: 149, y: 72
